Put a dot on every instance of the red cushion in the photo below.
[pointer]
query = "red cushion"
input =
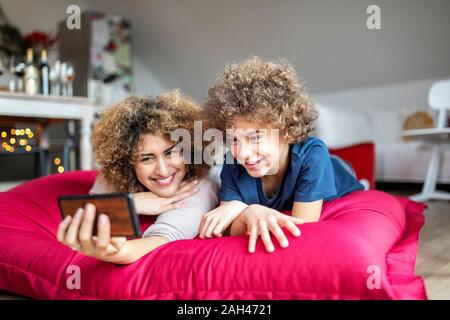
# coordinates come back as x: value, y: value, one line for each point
x: 363, y: 234
x: 362, y: 158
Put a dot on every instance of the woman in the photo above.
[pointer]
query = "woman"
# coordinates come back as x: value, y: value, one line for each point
x: 133, y: 146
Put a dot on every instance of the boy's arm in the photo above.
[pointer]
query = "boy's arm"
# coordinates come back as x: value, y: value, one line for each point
x: 259, y: 221
x: 216, y: 222
x: 308, y: 211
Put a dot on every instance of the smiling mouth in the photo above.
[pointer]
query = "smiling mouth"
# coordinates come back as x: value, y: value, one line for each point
x: 164, y: 182
x: 252, y: 164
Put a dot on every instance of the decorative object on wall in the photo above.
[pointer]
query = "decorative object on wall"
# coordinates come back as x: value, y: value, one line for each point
x: 417, y: 120
x: 101, y: 53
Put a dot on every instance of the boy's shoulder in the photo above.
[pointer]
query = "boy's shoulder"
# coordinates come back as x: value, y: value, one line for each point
x: 310, y: 143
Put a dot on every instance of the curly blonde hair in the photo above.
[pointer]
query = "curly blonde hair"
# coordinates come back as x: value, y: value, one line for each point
x: 264, y: 92
x: 121, y: 127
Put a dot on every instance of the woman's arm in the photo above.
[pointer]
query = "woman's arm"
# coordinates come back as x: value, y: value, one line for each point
x: 148, y: 203
x: 76, y: 232
x: 135, y: 249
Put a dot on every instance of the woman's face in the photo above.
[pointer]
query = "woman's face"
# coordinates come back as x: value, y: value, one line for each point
x: 159, y: 165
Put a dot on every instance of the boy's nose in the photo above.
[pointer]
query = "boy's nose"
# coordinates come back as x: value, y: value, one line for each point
x: 244, y: 151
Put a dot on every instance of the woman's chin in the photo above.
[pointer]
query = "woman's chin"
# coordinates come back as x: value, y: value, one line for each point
x: 162, y: 191
x: 165, y: 192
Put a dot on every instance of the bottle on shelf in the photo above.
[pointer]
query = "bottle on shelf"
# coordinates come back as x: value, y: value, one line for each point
x: 31, y: 76
x: 44, y: 73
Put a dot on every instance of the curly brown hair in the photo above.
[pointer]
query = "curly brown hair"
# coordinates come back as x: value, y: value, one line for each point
x: 121, y: 127
x: 265, y: 92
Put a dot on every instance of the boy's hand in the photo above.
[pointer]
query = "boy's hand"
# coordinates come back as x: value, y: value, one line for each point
x: 215, y: 222
x: 260, y: 221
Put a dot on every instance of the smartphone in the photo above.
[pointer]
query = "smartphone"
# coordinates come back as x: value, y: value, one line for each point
x: 119, y: 207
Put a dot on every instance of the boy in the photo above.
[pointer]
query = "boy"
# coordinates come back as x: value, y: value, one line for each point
x: 268, y: 118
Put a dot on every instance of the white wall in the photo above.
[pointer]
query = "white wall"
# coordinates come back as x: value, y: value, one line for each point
x: 405, y: 95
x: 186, y: 44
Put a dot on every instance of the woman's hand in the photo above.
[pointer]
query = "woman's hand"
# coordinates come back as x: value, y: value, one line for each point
x: 215, y: 222
x: 77, y: 232
x: 148, y: 203
x: 260, y: 221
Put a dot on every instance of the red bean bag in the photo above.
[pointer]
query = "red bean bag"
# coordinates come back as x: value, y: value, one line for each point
x: 364, y: 247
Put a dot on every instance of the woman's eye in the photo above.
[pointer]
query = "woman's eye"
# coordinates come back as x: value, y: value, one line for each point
x: 146, y: 159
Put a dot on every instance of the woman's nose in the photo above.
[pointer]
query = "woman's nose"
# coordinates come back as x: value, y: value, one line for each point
x: 162, y: 169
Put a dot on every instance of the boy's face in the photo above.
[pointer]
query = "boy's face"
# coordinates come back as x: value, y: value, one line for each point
x: 257, y: 147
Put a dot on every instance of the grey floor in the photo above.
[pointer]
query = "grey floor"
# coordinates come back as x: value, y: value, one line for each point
x: 433, y: 261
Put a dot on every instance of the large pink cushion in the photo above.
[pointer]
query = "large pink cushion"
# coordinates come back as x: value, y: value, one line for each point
x: 359, y: 235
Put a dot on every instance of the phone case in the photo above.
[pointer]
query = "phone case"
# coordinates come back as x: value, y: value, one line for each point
x: 119, y: 207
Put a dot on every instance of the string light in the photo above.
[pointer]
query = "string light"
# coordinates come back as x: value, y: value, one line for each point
x: 57, y: 161
x: 21, y: 140
x: 60, y: 169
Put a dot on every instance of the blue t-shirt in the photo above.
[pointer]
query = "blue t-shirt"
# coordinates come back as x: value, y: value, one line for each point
x: 311, y: 175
